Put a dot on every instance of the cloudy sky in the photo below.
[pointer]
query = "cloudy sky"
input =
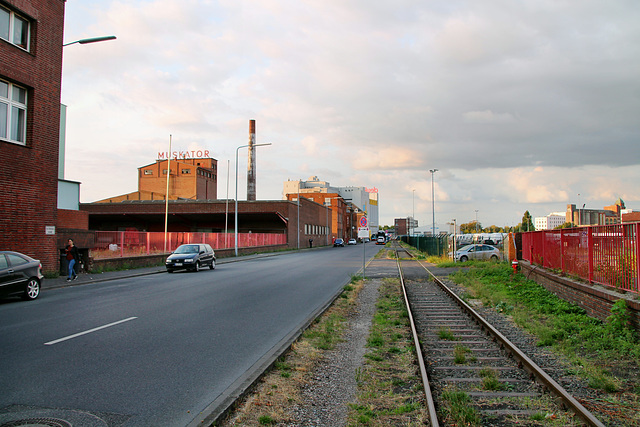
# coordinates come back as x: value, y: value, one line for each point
x: 519, y: 104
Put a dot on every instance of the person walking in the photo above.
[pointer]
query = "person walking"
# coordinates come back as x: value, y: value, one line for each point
x: 71, y: 252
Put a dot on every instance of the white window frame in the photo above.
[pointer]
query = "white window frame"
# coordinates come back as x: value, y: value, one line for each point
x: 13, y: 17
x: 10, y: 133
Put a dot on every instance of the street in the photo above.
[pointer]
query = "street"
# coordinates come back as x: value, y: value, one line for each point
x: 157, y: 350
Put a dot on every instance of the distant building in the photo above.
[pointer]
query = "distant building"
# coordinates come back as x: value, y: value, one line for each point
x: 191, y: 179
x: 405, y: 226
x: 550, y: 221
x: 362, y: 200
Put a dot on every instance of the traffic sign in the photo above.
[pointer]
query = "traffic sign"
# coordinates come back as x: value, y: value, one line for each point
x: 363, y: 221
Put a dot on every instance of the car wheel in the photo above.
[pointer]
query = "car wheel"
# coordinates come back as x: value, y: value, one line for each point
x: 213, y: 264
x: 494, y: 258
x: 197, y: 267
x: 169, y: 270
x: 464, y: 258
x: 32, y: 290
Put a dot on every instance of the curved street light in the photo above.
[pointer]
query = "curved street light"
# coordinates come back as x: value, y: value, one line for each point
x: 91, y: 40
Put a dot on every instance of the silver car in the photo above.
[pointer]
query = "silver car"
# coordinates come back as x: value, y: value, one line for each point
x: 480, y: 252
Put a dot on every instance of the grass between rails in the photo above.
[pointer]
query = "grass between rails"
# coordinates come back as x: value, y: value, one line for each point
x: 604, y: 353
x: 389, y: 385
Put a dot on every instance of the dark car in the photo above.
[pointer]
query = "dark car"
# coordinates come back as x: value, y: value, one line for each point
x: 338, y: 242
x: 19, y: 275
x: 193, y: 256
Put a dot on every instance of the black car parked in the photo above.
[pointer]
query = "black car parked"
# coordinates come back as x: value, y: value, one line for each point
x: 338, y: 242
x: 192, y: 256
x: 19, y: 274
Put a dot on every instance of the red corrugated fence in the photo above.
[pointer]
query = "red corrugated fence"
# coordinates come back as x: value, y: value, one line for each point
x: 115, y: 244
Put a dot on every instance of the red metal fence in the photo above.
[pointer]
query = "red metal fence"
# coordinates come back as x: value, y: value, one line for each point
x: 604, y: 254
x: 115, y: 244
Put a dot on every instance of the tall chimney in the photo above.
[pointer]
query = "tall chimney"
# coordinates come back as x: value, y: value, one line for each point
x: 251, y: 164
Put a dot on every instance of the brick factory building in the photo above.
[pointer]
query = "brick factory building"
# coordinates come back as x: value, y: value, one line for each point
x: 189, y: 178
x: 215, y: 216
x: 30, y: 85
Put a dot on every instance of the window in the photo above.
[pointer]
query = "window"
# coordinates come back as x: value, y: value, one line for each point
x: 148, y: 172
x: 186, y: 171
x: 13, y: 112
x: 14, y: 28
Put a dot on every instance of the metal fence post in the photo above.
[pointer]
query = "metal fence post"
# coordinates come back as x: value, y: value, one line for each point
x: 590, y: 252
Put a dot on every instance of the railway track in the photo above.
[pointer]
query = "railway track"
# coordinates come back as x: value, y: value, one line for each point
x: 472, y: 374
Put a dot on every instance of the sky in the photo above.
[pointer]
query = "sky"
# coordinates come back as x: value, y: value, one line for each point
x: 519, y: 104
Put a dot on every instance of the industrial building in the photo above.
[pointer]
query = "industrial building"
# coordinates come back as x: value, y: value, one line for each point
x: 30, y: 116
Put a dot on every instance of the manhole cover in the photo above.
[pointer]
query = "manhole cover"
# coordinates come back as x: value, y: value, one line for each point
x: 37, y: 422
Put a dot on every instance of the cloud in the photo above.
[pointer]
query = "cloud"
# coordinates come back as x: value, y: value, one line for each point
x: 488, y: 117
x: 367, y: 93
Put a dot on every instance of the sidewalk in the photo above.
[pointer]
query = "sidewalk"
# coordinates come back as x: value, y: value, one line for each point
x: 84, y: 278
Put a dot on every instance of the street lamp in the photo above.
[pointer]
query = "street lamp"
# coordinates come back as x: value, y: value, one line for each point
x: 413, y: 206
x: 236, y: 210
x: 433, y: 203
x: 91, y: 40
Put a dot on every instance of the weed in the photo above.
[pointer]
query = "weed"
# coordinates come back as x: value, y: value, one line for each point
x: 445, y: 333
x: 458, y: 409
x: 460, y: 354
x: 266, y: 420
x: 490, y: 380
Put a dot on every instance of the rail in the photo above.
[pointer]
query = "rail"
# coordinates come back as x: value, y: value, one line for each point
x: 522, y: 359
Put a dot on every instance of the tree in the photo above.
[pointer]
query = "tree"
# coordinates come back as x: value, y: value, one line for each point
x: 527, y: 223
x: 565, y: 225
x: 470, y: 228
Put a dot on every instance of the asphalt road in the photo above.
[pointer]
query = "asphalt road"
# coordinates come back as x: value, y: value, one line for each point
x: 158, y: 349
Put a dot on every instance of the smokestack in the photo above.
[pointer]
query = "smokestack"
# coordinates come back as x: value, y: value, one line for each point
x: 251, y: 164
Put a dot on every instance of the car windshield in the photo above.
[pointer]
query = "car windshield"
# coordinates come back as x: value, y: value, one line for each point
x: 187, y: 249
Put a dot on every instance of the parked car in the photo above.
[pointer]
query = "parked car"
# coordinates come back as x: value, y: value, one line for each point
x: 338, y: 242
x: 381, y: 240
x: 193, y: 256
x: 352, y: 242
x: 19, y: 274
x: 479, y: 251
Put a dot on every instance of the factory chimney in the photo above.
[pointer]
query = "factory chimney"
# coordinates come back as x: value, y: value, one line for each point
x: 251, y: 164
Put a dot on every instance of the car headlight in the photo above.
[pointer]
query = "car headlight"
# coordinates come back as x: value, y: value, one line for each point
x: 189, y: 260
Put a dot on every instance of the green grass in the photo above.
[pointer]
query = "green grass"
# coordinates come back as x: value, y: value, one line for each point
x: 458, y: 409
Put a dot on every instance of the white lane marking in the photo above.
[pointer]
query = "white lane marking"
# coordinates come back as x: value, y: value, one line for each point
x: 89, y: 331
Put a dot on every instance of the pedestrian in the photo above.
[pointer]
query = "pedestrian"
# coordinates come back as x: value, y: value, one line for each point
x: 310, y: 243
x: 71, y: 252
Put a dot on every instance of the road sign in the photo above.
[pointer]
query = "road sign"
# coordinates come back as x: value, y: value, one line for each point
x: 363, y: 232
x: 363, y: 221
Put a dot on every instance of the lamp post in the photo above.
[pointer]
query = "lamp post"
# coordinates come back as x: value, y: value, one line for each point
x: 236, y: 210
x: 413, y: 207
x: 455, y: 240
x: 433, y: 204
x: 475, y: 238
x: 91, y: 40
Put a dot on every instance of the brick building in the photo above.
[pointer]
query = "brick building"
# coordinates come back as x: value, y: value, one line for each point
x: 277, y: 216
x: 195, y: 179
x: 31, y: 38
x: 337, y: 216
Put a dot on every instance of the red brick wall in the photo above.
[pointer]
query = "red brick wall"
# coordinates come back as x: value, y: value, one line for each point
x: 29, y: 174
x: 78, y: 220
x: 596, y: 300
